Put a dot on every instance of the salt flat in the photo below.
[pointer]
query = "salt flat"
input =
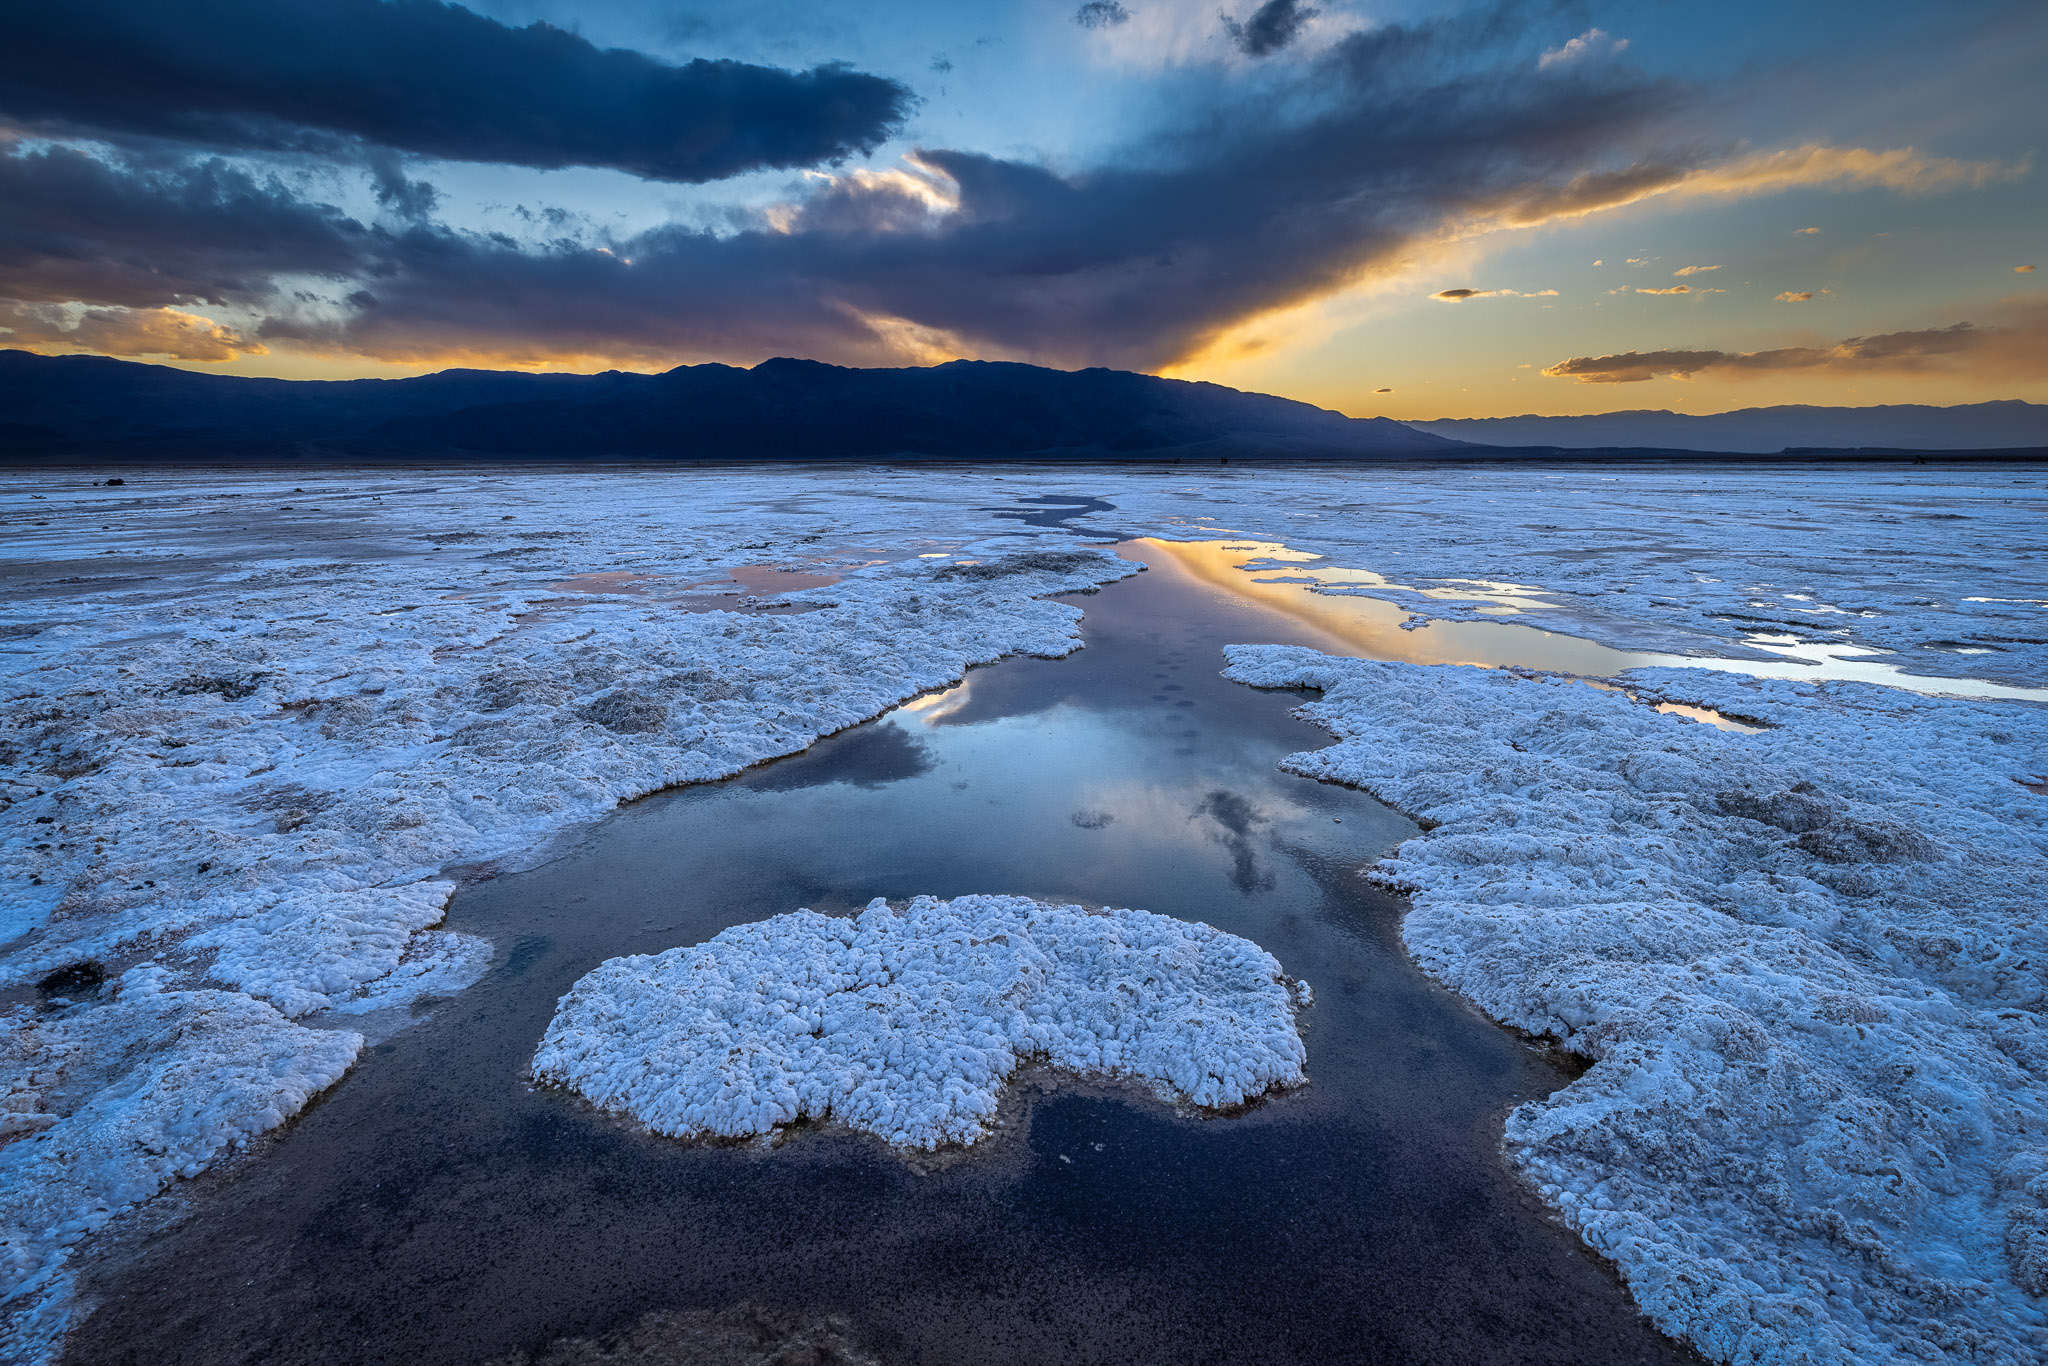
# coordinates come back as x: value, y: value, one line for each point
x: 257, y: 727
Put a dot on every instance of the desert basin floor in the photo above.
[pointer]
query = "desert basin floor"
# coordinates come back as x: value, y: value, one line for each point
x: 436, y: 1207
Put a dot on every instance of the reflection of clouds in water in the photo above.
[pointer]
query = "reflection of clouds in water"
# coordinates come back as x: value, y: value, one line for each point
x: 934, y: 707
x: 1052, y: 510
x: 866, y: 756
x: 1237, y: 817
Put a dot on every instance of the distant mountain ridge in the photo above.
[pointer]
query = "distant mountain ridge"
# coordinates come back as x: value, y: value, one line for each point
x: 73, y: 407
x: 2002, y: 425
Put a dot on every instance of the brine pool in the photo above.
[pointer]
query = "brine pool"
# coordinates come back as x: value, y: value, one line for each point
x: 436, y: 1207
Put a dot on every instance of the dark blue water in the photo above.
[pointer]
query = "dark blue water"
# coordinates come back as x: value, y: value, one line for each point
x: 435, y: 1208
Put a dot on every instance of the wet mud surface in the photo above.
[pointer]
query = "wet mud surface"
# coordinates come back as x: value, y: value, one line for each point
x: 434, y: 1207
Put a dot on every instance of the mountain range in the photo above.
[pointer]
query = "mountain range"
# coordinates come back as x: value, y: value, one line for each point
x: 95, y: 407
x: 2005, y: 425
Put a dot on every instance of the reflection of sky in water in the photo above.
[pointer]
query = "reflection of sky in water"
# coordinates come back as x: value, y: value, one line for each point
x: 1372, y: 627
x: 1506, y: 598
x: 1104, y: 800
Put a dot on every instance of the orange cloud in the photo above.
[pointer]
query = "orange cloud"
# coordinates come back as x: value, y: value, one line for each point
x: 167, y: 332
x: 1675, y: 289
x: 2024, y: 270
x: 1694, y: 270
x: 1798, y: 296
x: 2017, y: 346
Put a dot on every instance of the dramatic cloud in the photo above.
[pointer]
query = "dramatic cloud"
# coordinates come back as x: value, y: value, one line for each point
x: 1593, y: 42
x: 2016, y: 347
x: 1271, y: 27
x: 1694, y: 270
x: 165, y: 332
x: 75, y: 228
x: 1796, y: 296
x: 1347, y: 163
x: 421, y: 77
x: 1101, y: 14
x: 1135, y: 263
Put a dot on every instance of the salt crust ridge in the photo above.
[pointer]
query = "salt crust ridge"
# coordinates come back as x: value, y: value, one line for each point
x: 908, y: 1022
x: 111, y: 1103
x: 319, y: 772
x: 1808, y: 966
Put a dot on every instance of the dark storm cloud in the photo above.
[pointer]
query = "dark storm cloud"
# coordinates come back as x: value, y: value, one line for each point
x: 421, y: 77
x: 1271, y: 27
x: 75, y: 228
x: 1239, y: 208
x: 2017, y: 345
x: 1101, y: 14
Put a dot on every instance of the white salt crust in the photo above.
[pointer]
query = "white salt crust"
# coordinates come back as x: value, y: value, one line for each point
x: 107, y: 1104
x: 907, y: 1023
x: 1809, y: 967
x: 251, y: 774
x: 249, y: 723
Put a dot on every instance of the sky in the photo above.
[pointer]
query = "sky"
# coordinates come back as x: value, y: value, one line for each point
x: 1402, y: 209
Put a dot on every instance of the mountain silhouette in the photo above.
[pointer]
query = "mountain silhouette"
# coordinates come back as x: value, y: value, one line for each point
x: 96, y: 407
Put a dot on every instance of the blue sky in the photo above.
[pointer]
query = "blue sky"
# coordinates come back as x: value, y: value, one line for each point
x: 1408, y: 209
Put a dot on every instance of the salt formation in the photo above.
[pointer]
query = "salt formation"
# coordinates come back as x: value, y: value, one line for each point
x: 108, y: 1101
x: 1809, y: 966
x: 249, y: 776
x: 251, y: 723
x: 907, y: 1023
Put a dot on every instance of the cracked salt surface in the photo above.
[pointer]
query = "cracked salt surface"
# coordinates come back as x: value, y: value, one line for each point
x: 248, y: 739
x: 908, y: 1022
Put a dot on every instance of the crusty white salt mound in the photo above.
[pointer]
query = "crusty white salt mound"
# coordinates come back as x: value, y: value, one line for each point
x: 908, y: 1022
x: 1807, y: 966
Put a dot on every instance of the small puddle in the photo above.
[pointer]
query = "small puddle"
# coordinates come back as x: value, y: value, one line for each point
x: 1687, y: 710
x: 753, y: 590
x: 613, y: 581
x: 1265, y: 572
x: 766, y: 580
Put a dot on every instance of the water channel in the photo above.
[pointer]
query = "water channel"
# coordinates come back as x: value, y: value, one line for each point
x: 434, y: 1207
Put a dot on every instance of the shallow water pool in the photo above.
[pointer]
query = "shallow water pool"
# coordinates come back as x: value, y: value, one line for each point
x: 434, y: 1207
